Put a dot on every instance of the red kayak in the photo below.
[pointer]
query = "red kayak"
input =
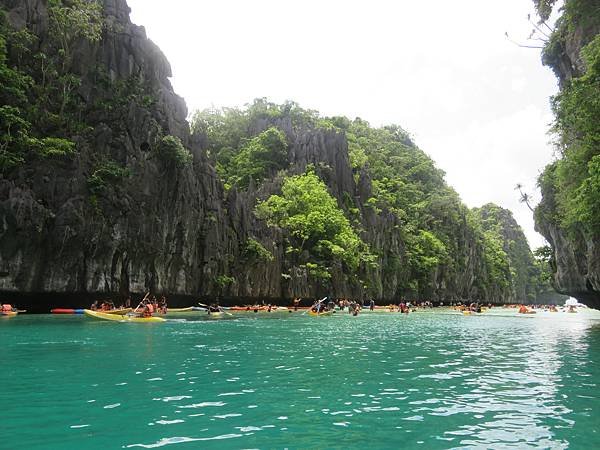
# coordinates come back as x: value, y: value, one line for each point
x: 66, y: 311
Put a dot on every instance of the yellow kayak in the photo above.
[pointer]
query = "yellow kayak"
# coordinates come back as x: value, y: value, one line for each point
x: 117, y: 311
x: 316, y: 314
x: 121, y: 317
x: 215, y: 315
x: 9, y: 313
x: 170, y: 310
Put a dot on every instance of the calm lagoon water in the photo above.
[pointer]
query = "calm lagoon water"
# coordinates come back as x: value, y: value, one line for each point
x: 430, y: 380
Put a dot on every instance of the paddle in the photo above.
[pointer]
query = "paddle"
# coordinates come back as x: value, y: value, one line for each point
x: 138, y: 306
x: 322, y: 300
x: 225, y: 312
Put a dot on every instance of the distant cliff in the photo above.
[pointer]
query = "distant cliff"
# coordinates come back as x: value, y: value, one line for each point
x: 104, y: 189
x: 569, y: 213
x: 528, y: 276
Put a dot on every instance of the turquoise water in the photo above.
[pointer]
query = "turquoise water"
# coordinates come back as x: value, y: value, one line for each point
x: 427, y: 380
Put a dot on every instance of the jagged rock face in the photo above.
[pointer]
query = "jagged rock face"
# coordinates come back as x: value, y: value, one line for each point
x: 576, y: 258
x: 175, y: 230
x: 165, y: 229
x: 576, y: 254
x: 565, y: 60
x: 516, y: 247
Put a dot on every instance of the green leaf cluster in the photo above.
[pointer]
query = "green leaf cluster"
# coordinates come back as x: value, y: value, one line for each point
x: 320, y: 232
x: 106, y: 174
x: 255, y: 251
x: 171, y: 151
x: 258, y: 157
x: 234, y: 139
x: 223, y: 281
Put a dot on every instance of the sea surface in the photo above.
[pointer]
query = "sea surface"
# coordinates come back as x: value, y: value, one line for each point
x: 429, y: 380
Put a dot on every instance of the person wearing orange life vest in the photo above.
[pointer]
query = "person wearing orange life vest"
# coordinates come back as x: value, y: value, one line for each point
x: 149, y: 309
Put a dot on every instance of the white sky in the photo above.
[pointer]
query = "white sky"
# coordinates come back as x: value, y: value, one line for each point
x: 444, y: 71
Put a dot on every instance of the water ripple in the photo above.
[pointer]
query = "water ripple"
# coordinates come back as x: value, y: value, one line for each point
x: 429, y: 380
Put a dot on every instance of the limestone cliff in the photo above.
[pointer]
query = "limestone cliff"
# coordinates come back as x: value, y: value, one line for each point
x: 163, y: 228
x: 566, y: 215
x: 129, y: 210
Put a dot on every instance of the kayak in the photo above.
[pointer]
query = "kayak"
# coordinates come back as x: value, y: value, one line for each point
x: 215, y: 315
x: 66, y: 311
x: 9, y: 313
x: 121, y: 317
x: 117, y: 311
x: 316, y: 314
x: 172, y: 310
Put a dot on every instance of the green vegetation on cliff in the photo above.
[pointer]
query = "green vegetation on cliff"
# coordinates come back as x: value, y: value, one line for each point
x: 571, y: 185
x: 26, y: 102
x: 320, y: 233
x: 39, y: 109
x: 508, y: 256
x: 569, y: 213
x: 404, y: 186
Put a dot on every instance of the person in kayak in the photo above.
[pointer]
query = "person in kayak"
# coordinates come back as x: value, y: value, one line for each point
x: 148, y: 310
x: 213, y: 308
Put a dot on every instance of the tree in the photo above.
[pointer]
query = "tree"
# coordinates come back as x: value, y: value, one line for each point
x: 171, y: 151
x: 260, y: 156
x: 315, y: 223
x: 71, y: 20
x: 524, y: 196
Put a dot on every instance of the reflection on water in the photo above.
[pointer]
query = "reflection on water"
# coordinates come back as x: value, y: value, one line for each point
x: 427, y: 380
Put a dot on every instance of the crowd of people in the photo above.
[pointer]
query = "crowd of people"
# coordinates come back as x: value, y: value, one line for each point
x: 148, y: 306
x: 354, y: 307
